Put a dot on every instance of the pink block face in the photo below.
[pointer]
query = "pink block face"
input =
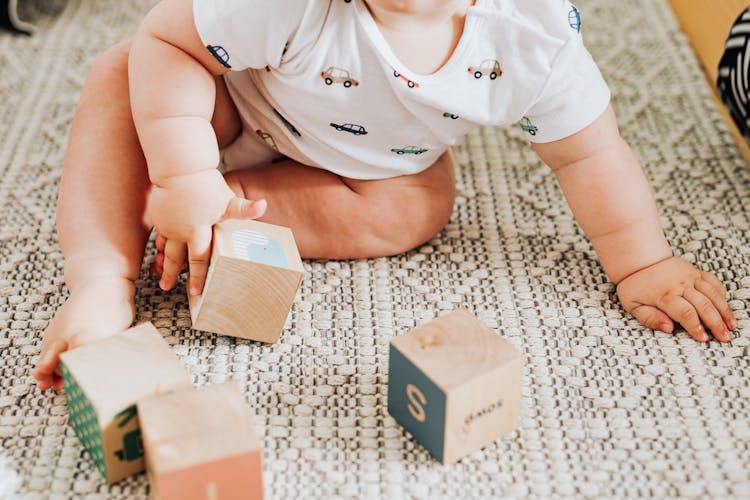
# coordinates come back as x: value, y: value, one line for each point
x: 237, y: 477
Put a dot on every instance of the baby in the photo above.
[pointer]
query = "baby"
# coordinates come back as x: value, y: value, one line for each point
x: 336, y: 119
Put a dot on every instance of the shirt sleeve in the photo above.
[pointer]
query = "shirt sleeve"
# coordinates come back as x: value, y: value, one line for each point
x: 574, y: 95
x: 243, y: 34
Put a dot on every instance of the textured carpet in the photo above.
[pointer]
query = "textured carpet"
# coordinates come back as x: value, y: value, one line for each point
x: 609, y: 408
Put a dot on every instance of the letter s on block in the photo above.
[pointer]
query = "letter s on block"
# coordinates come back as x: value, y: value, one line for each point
x: 416, y: 399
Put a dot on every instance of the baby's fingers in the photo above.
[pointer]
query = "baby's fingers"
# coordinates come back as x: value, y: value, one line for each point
x: 175, y: 254
x: 49, y: 359
x: 710, y: 286
x: 240, y: 208
x: 199, y: 253
x: 161, y: 242
x: 653, y: 318
x: 157, y: 268
x: 679, y: 309
x: 709, y: 314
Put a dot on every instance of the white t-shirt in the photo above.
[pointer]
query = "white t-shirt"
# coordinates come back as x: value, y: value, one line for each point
x: 334, y: 88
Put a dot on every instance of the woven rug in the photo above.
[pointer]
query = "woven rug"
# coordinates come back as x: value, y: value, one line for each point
x: 609, y: 408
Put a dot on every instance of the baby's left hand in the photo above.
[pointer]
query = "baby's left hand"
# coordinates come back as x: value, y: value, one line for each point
x: 673, y: 290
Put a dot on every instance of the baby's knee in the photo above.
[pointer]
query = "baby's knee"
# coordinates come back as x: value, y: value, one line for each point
x: 398, y: 235
x: 391, y: 226
x: 112, y: 64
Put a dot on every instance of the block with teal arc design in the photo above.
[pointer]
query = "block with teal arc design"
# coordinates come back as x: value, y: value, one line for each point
x: 84, y: 420
x: 257, y: 246
x: 416, y: 403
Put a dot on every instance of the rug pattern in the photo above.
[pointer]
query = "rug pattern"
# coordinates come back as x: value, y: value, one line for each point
x: 609, y: 409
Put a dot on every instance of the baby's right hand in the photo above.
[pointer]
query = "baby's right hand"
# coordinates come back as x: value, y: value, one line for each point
x: 183, y: 210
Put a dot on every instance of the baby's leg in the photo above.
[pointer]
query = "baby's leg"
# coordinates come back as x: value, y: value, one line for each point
x: 333, y: 217
x: 100, y: 212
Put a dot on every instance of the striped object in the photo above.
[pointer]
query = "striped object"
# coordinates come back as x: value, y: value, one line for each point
x: 733, y: 80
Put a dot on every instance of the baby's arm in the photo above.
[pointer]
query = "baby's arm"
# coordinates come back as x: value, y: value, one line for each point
x: 612, y: 201
x: 172, y: 92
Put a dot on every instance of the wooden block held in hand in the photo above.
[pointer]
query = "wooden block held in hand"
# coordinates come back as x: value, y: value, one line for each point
x: 104, y: 380
x: 454, y: 384
x: 201, y: 444
x: 252, y: 280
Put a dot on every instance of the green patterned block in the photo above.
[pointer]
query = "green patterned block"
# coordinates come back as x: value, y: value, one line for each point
x: 132, y: 444
x: 84, y: 420
x: 104, y: 380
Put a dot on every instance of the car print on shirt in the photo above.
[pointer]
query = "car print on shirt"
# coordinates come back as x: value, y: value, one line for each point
x: 450, y: 115
x: 267, y: 138
x: 350, y: 127
x: 527, y: 126
x: 288, y: 124
x: 337, y: 75
x: 409, y: 83
x: 409, y: 150
x: 219, y: 54
x: 574, y: 19
x: 489, y: 67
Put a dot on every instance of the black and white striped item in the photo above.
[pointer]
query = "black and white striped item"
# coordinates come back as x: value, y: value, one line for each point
x: 733, y: 81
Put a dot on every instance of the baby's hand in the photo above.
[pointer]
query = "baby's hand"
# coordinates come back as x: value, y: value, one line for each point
x: 675, y: 290
x: 183, y: 210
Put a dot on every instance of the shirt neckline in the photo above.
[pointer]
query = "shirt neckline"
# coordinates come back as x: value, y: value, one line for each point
x: 381, y: 44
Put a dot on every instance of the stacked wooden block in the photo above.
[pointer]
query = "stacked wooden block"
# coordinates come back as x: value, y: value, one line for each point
x: 201, y: 444
x: 129, y: 396
x: 104, y: 381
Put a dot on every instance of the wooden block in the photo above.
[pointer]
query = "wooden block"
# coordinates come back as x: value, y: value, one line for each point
x: 454, y: 384
x: 104, y: 380
x: 200, y: 444
x: 252, y: 280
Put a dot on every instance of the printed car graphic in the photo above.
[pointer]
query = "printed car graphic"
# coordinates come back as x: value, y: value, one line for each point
x: 288, y: 124
x: 527, y: 126
x: 258, y: 247
x: 409, y: 150
x: 410, y: 83
x: 450, y: 115
x: 267, y: 138
x: 489, y: 67
x: 219, y: 54
x: 337, y: 75
x: 350, y: 127
x: 574, y: 18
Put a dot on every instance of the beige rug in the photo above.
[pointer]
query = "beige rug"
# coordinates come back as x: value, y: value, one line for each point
x: 610, y: 409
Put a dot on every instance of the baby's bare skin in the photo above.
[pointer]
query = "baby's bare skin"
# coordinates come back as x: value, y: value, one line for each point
x: 144, y: 156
